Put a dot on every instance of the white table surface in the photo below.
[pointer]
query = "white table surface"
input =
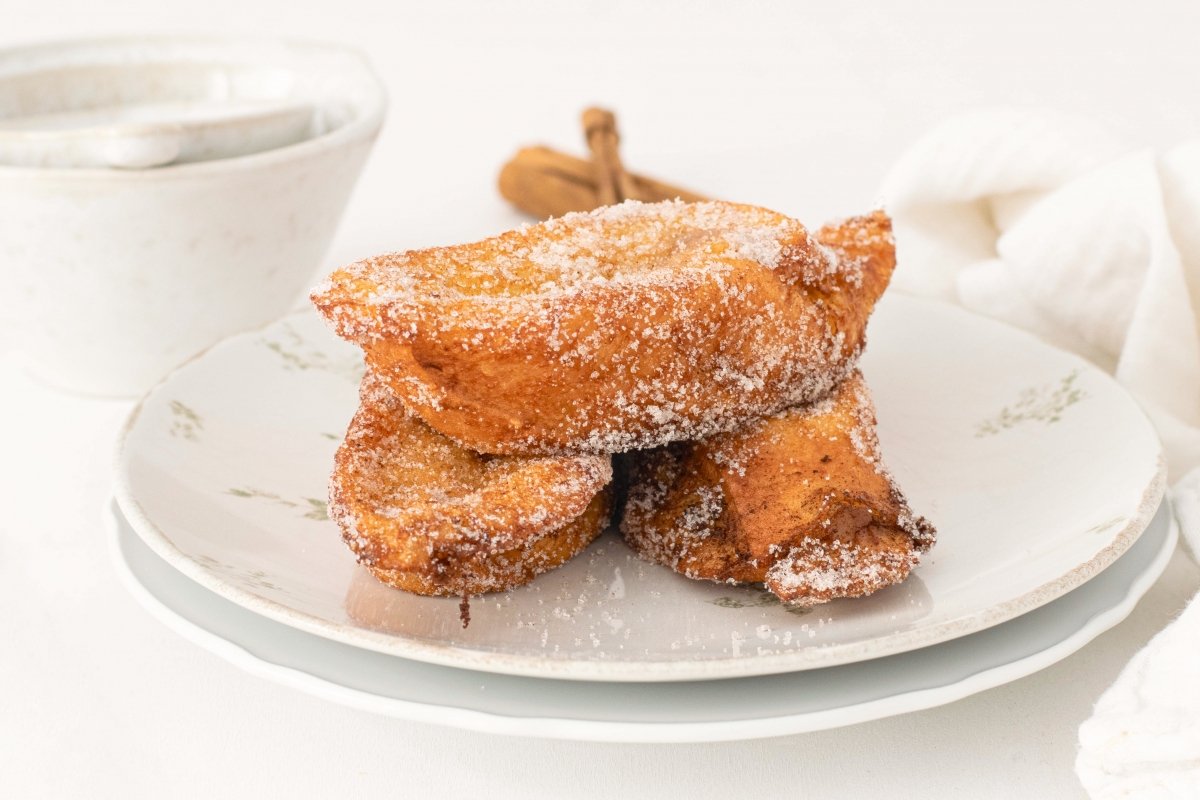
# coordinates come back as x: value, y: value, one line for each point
x: 801, y: 106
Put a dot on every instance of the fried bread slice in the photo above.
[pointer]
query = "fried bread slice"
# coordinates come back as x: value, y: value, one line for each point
x: 428, y: 516
x: 800, y: 502
x: 618, y: 329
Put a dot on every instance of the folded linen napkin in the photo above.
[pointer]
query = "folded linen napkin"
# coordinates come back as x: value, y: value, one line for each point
x: 1049, y: 223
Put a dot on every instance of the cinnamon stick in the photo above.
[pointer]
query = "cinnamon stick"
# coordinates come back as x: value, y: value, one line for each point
x: 612, y: 182
x: 547, y: 183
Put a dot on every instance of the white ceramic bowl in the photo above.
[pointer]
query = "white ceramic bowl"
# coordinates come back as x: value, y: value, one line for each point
x: 114, y: 275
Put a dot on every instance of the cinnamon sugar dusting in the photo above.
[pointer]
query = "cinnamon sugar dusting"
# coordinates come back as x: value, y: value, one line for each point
x: 421, y: 511
x: 800, y: 501
x: 628, y: 245
x: 619, y: 329
x: 715, y: 343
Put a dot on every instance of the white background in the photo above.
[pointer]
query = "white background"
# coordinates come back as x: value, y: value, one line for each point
x: 801, y: 106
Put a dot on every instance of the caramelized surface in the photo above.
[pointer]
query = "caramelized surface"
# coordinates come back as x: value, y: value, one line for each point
x: 624, y: 328
x: 430, y: 516
x: 800, y: 501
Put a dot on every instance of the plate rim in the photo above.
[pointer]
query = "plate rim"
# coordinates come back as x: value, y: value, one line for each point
x: 452, y: 655
x: 563, y: 728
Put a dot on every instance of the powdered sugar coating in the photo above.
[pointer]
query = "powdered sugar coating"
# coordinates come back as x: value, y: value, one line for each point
x: 629, y: 245
x: 816, y: 570
x: 426, y: 514
x: 619, y: 329
x: 800, y: 501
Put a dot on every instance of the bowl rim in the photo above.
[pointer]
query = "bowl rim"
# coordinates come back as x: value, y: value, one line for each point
x: 364, y: 125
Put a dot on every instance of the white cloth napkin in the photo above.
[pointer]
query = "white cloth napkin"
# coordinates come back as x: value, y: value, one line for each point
x: 1049, y: 223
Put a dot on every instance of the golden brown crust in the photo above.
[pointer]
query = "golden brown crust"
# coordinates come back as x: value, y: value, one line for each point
x: 484, y: 571
x: 429, y: 516
x: 800, y: 502
x: 624, y: 328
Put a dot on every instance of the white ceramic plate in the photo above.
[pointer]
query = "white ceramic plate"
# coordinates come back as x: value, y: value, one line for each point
x: 739, y: 708
x: 1037, y: 469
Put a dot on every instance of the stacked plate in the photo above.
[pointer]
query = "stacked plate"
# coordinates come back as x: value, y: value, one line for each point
x: 1044, y: 478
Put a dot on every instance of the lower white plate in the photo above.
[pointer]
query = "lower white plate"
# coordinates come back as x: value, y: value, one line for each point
x: 740, y: 708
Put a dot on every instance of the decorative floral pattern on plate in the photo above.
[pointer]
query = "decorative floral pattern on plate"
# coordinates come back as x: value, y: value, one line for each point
x: 1038, y: 403
x: 298, y: 353
x: 766, y: 599
x: 185, y: 423
x: 313, y: 508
